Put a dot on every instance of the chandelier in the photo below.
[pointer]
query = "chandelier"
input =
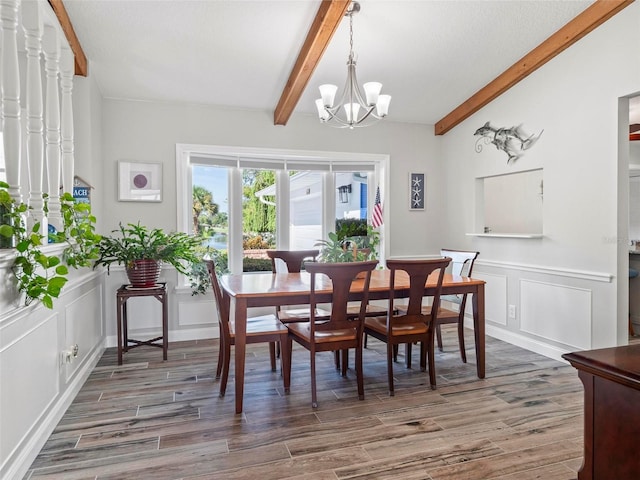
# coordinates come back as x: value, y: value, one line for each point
x: 353, y: 109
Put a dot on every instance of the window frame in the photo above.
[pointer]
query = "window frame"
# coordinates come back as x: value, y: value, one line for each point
x: 280, y: 160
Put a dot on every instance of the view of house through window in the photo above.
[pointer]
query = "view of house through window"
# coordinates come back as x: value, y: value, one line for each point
x: 303, y: 205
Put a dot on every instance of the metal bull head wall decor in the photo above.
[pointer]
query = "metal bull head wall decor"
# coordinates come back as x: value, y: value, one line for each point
x: 511, y: 141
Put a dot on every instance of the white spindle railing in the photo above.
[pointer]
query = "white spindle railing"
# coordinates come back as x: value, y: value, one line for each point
x: 38, y: 142
x: 52, y: 123
x: 33, y: 26
x: 10, y: 77
x: 66, y: 125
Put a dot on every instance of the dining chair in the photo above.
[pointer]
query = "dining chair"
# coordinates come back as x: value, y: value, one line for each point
x: 461, y: 265
x: 338, y: 332
x: 293, y: 260
x: 412, y: 324
x: 262, y: 329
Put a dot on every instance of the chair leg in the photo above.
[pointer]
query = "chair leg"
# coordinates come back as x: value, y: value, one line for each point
x: 345, y: 361
x: 225, y: 370
x: 423, y: 356
x: 336, y: 355
x: 314, y: 396
x: 220, y: 358
x: 463, y: 350
x: 432, y: 361
x: 272, y: 355
x: 407, y: 355
x: 365, y: 340
x: 439, y: 337
x: 359, y: 374
x: 390, y: 354
x: 285, y: 359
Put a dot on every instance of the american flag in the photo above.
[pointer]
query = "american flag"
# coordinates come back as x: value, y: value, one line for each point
x: 376, y: 216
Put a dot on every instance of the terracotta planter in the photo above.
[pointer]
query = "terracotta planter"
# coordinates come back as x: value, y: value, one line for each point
x: 143, y: 273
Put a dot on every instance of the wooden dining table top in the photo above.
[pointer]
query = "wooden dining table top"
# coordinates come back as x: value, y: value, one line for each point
x: 267, y: 284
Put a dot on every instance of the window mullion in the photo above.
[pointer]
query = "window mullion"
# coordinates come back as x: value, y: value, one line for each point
x: 283, y: 193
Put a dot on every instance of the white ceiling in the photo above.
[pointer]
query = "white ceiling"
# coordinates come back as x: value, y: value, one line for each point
x: 430, y: 55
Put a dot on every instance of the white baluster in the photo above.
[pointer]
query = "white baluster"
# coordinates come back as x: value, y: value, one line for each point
x: 10, y: 78
x: 51, y: 44
x: 33, y: 25
x: 66, y: 83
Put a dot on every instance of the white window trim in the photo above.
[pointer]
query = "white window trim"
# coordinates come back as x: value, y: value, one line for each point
x: 336, y: 160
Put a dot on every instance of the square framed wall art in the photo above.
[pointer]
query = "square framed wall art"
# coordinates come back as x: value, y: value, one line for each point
x: 416, y: 191
x: 139, y: 181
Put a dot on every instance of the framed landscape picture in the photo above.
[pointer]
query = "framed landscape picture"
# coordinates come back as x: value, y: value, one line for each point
x: 416, y: 191
x: 139, y: 181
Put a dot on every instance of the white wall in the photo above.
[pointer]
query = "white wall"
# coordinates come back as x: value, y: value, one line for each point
x: 574, y: 98
x: 149, y: 132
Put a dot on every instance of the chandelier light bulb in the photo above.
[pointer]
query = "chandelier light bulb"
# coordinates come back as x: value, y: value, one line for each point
x: 328, y: 94
x: 372, y: 91
x: 382, y: 106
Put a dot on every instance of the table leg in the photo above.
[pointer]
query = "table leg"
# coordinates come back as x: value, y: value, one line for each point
x: 119, y: 326
x: 478, y: 328
x: 165, y: 326
x: 125, y: 326
x: 241, y: 341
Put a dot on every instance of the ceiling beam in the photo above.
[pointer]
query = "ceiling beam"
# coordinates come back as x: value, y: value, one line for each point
x: 596, y: 14
x: 78, y: 54
x: 324, y: 25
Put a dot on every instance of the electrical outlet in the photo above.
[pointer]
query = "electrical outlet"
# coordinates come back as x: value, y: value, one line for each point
x: 512, y: 311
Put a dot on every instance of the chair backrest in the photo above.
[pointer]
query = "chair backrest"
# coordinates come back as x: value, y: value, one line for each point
x: 461, y: 261
x: 342, y: 275
x: 418, y: 272
x: 292, y: 258
x: 221, y: 306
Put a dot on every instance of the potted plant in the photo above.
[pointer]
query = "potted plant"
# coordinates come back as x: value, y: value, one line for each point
x: 349, y: 249
x: 143, y: 250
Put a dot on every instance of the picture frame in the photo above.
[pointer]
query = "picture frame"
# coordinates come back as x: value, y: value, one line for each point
x: 417, y: 188
x: 139, y: 181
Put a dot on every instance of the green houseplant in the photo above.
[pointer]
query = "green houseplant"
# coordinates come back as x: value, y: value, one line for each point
x: 349, y: 249
x: 142, y: 250
x: 38, y: 275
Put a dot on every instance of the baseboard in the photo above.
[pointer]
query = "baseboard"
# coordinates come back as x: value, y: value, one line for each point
x: 527, y: 343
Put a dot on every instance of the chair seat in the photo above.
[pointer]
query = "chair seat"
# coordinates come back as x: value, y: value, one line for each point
x: 302, y: 315
x: 379, y: 324
x: 303, y: 330
x: 263, y: 325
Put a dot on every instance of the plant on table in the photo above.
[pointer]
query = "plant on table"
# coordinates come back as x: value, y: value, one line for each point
x: 142, y: 250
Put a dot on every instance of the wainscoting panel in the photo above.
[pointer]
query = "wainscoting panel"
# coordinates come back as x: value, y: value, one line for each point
x: 495, y: 294
x: 556, y: 312
x: 29, y: 372
x: 84, y: 327
x: 192, y: 313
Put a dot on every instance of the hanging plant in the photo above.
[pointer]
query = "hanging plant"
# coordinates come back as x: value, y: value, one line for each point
x: 40, y: 276
x: 78, y: 232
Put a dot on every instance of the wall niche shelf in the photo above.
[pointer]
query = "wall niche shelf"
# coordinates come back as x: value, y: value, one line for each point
x: 506, y: 235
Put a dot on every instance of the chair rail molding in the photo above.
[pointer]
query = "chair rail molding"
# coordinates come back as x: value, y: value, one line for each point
x: 547, y: 270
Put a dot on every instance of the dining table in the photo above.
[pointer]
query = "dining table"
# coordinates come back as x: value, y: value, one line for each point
x: 266, y: 289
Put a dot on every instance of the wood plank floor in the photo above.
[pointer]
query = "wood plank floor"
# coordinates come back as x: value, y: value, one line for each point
x: 149, y: 419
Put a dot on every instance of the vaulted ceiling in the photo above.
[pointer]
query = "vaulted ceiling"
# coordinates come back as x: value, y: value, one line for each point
x: 431, y: 56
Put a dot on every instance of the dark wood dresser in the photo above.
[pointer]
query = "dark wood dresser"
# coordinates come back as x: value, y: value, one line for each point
x: 611, y: 379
